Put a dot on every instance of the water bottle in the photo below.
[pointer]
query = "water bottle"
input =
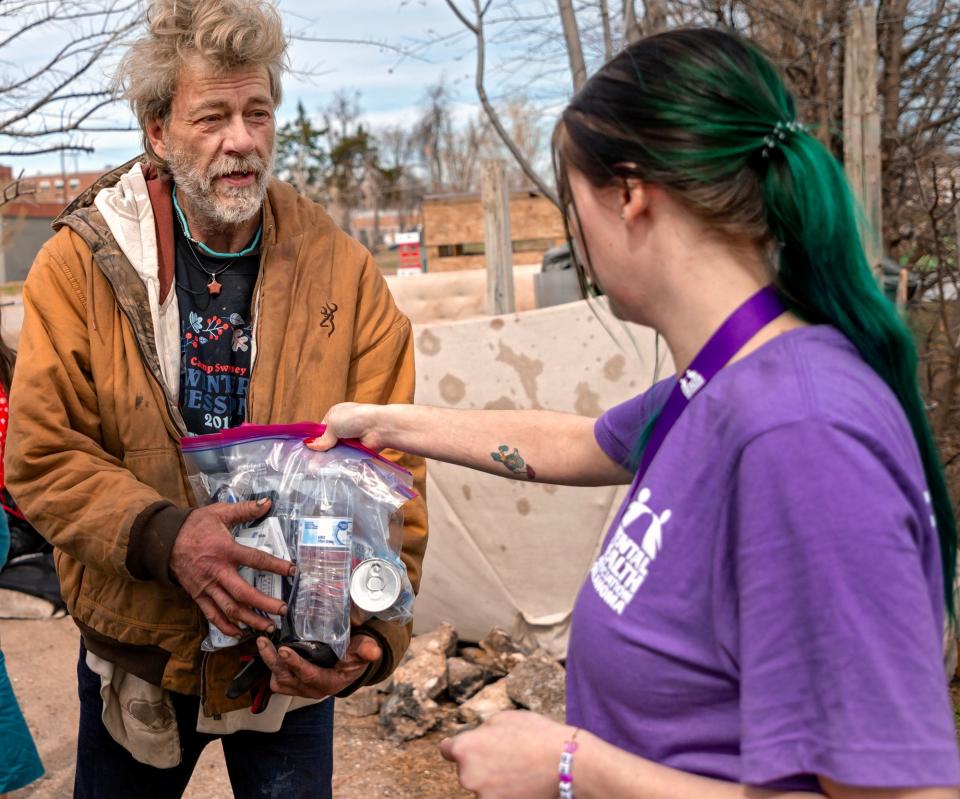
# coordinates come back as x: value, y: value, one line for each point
x: 324, y: 532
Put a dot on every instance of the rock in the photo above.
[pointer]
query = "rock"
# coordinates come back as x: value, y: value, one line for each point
x: 449, y: 720
x: 504, y: 650
x: 491, y: 667
x: 407, y: 714
x: 464, y: 679
x: 365, y: 701
x: 486, y: 704
x: 426, y: 671
x: 539, y: 684
x: 443, y: 640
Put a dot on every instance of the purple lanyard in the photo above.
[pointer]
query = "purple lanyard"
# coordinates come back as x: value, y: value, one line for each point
x: 741, y: 326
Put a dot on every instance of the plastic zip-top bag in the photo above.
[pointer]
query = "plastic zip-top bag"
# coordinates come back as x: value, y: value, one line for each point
x: 335, y: 514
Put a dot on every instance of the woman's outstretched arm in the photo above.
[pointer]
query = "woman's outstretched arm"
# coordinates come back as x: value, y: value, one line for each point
x: 545, y: 446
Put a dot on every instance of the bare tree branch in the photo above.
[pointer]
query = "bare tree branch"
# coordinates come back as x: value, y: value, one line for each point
x: 571, y: 34
x: 14, y: 190
x: 54, y: 101
x: 56, y: 148
x: 477, y: 28
x: 460, y: 15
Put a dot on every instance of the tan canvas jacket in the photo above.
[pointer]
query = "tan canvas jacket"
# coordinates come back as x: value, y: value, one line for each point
x: 92, y: 455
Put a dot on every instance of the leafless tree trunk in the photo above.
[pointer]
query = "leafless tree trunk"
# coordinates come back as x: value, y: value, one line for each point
x: 656, y: 17
x: 631, y: 30
x: 571, y: 34
x: 607, y: 32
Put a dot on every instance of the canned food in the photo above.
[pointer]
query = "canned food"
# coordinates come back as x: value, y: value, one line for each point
x: 375, y: 585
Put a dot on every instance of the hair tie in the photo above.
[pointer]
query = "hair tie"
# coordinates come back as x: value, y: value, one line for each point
x: 781, y: 132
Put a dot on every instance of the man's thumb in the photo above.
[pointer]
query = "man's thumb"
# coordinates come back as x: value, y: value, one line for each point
x: 238, y: 512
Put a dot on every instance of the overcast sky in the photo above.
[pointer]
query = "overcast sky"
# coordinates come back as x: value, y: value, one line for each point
x: 391, y: 86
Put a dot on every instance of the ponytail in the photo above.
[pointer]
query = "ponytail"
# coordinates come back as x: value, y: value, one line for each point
x: 824, y: 277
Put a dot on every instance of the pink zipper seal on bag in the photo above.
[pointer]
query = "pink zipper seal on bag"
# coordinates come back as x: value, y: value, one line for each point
x: 297, y: 431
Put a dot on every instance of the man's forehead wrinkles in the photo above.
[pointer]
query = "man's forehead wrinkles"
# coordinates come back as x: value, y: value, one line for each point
x: 218, y: 103
x: 228, y: 84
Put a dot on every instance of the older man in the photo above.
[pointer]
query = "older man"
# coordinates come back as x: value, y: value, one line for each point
x: 185, y: 293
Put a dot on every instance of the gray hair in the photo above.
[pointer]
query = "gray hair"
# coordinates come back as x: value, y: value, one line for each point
x: 224, y: 33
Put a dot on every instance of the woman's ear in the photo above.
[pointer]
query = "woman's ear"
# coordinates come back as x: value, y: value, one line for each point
x: 635, y: 200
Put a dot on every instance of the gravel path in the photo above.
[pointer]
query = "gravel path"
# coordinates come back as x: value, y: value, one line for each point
x: 41, y: 660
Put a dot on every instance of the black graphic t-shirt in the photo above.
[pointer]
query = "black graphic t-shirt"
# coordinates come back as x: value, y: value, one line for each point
x: 214, y: 337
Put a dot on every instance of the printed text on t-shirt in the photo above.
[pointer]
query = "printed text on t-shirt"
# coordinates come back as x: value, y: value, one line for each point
x: 623, y: 567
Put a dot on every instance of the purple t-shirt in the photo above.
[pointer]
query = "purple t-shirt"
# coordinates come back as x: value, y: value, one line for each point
x: 767, y: 606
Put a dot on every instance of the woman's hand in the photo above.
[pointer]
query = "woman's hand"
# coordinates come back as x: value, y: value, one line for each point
x: 349, y: 420
x: 515, y: 755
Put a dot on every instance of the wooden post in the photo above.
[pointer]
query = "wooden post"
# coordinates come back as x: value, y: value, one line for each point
x: 498, y: 242
x: 861, y: 128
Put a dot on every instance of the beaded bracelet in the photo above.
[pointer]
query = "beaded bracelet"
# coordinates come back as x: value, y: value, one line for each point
x: 566, y: 766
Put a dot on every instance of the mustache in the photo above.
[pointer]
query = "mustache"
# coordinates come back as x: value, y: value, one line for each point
x: 228, y: 164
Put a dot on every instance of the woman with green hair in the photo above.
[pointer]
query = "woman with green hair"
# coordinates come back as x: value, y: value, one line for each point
x: 766, y: 613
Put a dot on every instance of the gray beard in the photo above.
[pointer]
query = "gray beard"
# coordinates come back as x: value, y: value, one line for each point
x: 231, y: 205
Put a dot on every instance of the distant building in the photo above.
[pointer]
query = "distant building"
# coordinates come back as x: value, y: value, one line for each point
x: 25, y: 222
x: 454, y: 233
x: 375, y: 228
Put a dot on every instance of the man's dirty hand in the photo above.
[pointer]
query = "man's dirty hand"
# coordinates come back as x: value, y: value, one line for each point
x: 295, y: 676
x: 205, y: 559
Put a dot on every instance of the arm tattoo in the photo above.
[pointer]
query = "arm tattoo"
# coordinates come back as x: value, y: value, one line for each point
x: 513, y: 461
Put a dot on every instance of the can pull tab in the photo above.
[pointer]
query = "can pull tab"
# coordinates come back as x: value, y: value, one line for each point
x: 375, y: 582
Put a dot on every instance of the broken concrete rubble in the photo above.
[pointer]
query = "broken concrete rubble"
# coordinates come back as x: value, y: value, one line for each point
x: 427, y: 672
x: 486, y: 704
x: 503, y: 650
x: 407, y: 714
x: 464, y: 679
x: 441, y: 684
x: 362, y: 702
x: 443, y: 640
x: 539, y: 684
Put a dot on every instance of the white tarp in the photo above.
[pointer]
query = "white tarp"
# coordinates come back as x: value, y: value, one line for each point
x: 502, y: 552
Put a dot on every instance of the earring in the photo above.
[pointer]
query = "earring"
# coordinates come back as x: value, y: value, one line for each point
x: 623, y: 214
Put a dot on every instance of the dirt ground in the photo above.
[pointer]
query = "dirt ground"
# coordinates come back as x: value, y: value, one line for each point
x: 41, y: 660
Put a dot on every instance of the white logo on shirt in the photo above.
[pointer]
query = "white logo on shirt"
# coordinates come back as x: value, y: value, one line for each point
x: 620, y: 571
x: 691, y: 383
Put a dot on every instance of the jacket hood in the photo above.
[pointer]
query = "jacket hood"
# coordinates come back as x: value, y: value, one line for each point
x: 86, y: 198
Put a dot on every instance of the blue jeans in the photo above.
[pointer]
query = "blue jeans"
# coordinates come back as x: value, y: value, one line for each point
x: 294, y: 763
